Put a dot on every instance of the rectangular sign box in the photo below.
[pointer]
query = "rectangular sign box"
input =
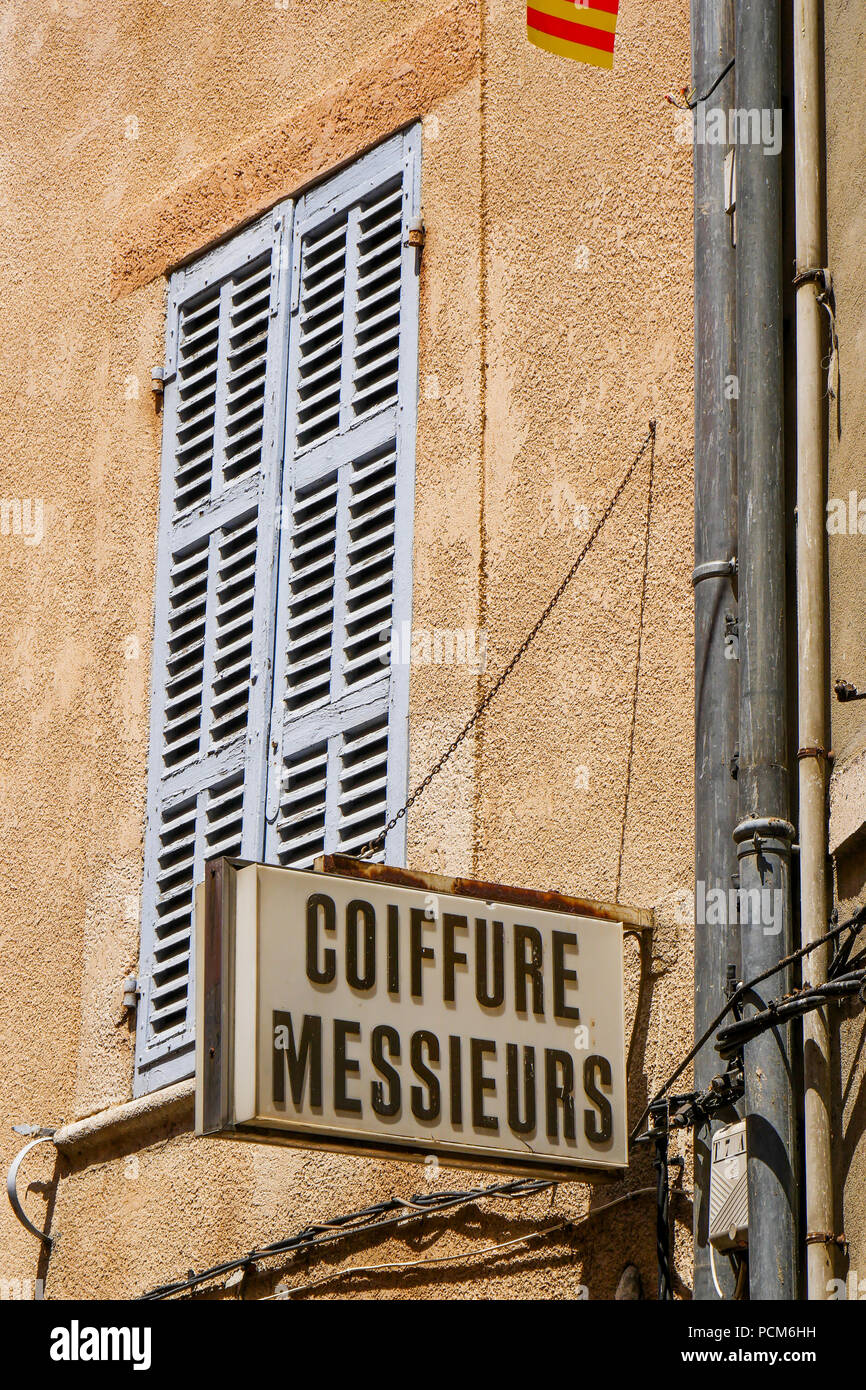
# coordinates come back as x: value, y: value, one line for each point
x: 364, y: 1015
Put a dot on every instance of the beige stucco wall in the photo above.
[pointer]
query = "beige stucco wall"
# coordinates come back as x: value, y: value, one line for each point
x: 846, y: 224
x: 555, y: 321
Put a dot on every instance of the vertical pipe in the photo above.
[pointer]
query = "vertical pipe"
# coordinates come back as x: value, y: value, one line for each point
x: 811, y: 634
x: 763, y: 835
x: 716, y: 667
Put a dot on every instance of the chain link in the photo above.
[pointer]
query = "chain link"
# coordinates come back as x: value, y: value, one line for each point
x: 455, y: 743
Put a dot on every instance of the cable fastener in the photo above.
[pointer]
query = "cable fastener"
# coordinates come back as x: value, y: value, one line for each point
x: 815, y: 751
x: 714, y: 569
x: 846, y: 691
x: 825, y: 1238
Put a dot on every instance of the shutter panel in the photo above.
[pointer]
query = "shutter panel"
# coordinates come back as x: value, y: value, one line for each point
x: 337, y: 767
x: 226, y: 347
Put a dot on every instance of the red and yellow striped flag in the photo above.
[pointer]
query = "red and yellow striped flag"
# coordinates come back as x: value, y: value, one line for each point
x: 574, y: 29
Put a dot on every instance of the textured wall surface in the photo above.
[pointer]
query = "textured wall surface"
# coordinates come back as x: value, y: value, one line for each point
x: 556, y: 319
x: 846, y: 226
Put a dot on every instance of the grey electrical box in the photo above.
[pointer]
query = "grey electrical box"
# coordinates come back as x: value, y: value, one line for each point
x: 729, y: 1193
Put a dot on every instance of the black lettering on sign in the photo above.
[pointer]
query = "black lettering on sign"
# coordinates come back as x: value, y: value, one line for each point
x: 528, y: 969
x: 597, y: 1071
x: 378, y: 1038
x: 393, y: 949
x: 358, y: 977
x: 345, y: 1066
x: 560, y: 1093
x: 287, y: 1056
x: 494, y: 997
x: 512, y: 1074
x: 482, y: 1085
x: 451, y: 957
x: 418, y: 951
x: 563, y: 977
x: 422, y: 1042
x: 328, y: 971
x: 456, y: 1079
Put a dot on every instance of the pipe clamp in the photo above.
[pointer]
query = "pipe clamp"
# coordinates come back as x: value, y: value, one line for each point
x: 714, y: 569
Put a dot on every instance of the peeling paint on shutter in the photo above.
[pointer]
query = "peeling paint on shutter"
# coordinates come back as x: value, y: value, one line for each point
x: 370, y: 571
x: 223, y: 424
x: 337, y: 766
x: 300, y: 826
x: 310, y: 594
x: 363, y: 796
x: 234, y: 612
x: 378, y: 294
x: 320, y: 327
x: 249, y: 314
x: 187, y: 606
x: 174, y: 899
x: 196, y: 401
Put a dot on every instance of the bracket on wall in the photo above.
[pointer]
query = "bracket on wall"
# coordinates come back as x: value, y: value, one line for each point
x: 845, y: 691
x: 45, y: 1137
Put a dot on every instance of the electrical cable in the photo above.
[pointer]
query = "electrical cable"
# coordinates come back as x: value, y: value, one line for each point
x: 691, y: 101
x: 335, y: 1274
x: 854, y: 924
x: 731, y: 1039
x: 566, y: 1225
x: 378, y: 1217
x: 393, y: 1211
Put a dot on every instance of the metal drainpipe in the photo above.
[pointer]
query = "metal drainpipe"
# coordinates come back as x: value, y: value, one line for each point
x: 716, y: 672
x: 764, y: 835
x: 812, y: 628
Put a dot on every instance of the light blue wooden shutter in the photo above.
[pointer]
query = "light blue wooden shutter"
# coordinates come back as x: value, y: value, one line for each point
x: 226, y: 347
x: 338, y: 752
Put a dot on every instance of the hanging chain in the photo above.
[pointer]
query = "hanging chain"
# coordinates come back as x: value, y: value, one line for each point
x: 455, y: 743
x: 637, y: 670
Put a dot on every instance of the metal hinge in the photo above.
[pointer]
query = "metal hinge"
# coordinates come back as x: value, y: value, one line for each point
x: 417, y: 234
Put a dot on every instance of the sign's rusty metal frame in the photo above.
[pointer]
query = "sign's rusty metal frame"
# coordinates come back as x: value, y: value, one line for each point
x: 636, y: 918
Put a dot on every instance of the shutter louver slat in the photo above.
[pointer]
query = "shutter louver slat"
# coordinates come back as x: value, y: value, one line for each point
x: 246, y: 371
x: 322, y: 302
x: 186, y: 622
x: 198, y: 353
x: 363, y: 801
x: 370, y: 576
x: 301, y: 823
x: 174, y: 902
x: 235, y: 599
x: 377, y: 339
x: 312, y: 561
x: 224, y: 819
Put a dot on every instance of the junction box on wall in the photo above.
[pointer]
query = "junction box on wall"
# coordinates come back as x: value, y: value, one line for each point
x: 729, y: 1193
